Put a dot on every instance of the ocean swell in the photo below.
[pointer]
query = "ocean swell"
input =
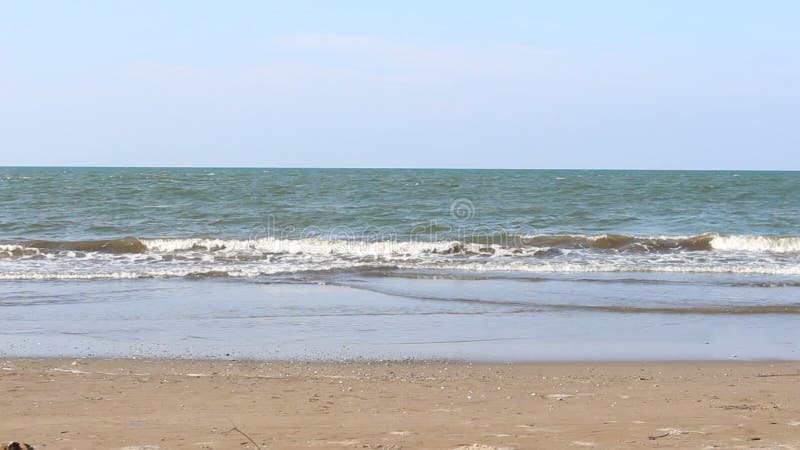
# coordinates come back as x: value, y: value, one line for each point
x: 123, y: 245
x: 541, y: 245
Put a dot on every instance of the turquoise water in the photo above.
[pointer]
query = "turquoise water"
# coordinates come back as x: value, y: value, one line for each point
x: 126, y: 223
x: 76, y: 203
x: 468, y: 264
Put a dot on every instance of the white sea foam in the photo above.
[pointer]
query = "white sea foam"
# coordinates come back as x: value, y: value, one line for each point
x: 7, y: 251
x: 630, y: 266
x: 773, y: 244
x: 299, y: 264
x: 200, y: 257
x: 303, y: 246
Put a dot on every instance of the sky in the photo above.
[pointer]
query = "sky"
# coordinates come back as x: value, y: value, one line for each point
x: 464, y: 84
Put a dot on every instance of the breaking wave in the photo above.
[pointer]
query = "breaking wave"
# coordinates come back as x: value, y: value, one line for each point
x: 472, y: 244
x: 757, y: 244
x: 131, y: 257
x: 124, y: 245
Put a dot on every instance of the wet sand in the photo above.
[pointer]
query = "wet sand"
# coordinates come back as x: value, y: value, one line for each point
x: 164, y: 404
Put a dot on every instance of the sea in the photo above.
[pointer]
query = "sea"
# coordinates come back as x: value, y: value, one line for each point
x: 340, y: 264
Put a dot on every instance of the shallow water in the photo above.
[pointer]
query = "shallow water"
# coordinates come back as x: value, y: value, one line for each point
x: 224, y: 319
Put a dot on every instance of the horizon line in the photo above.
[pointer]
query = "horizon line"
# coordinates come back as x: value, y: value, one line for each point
x: 382, y: 168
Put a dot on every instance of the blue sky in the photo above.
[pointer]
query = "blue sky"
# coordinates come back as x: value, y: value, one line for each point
x: 519, y: 84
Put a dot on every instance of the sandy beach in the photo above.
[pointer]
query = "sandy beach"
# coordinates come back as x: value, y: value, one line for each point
x: 161, y: 404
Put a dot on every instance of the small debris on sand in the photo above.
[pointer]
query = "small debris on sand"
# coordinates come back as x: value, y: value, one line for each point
x: 672, y: 432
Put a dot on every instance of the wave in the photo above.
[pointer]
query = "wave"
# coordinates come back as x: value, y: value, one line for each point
x: 622, y: 242
x: 132, y: 257
x: 123, y: 245
x: 758, y: 244
x: 322, y: 269
x: 305, y: 246
x: 540, y: 245
x: 704, y: 242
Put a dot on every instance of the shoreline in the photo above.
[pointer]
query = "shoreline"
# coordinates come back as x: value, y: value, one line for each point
x: 390, y: 320
x: 170, y: 403
x: 254, y: 362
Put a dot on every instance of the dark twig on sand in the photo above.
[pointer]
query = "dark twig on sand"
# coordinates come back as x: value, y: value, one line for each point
x: 236, y: 429
x: 658, y: 436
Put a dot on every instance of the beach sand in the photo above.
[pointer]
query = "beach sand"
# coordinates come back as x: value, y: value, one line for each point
x: 164, y: 404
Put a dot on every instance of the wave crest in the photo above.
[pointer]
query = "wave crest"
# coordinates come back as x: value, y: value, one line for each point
x: 122, y: 245
x: 542, y: 245
x: 621, y: 242
x: 759, y: 244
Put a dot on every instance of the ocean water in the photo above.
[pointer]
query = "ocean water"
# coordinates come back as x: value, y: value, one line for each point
x: 583, y: 246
